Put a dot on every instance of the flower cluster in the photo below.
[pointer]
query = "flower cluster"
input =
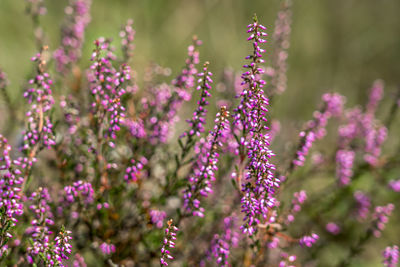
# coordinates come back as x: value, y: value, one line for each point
x: 380, y: 218
x: 198, y: 119
x: 315, y: 129
x: 39, y: 129
x: 253, y: 102
x: 205, y: 167
x: 136, y: 128
x: 115, y: 109
x: 308, y: 240
x: 375, y: 96
x: 10, y: 189
x: 73, y: 33
x: 127, y: 35
x: 40, y: 231
x: 363, y: 203
x: 250, y: 115
x: 80, y: 189
x: 147, y: 124
x: 79, y: 261
x: 106, y: 85
x: 186, y: 79
x: 364, y: 126
x: 344, y: 165
x: 133, y: 172
x: 220, y: 250
x: 395, y: 185
x: 287, y: 260
x: 62, y: 247
x: 332, y: 228
x: 220, y: 245
x: 298, y: 199
x: 159, y: 107
x: 374, y: 139
x: 163, y: 121
x: 157, y: 217
x: 349, y: 131
x: 107, y: 248
x: 391, y: 256
x: 169, y: 242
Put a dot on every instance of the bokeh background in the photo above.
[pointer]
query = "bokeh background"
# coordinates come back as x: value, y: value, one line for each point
x: 341, y: 45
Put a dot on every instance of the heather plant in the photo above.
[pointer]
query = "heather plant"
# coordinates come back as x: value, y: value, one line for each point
x: 108, y: 169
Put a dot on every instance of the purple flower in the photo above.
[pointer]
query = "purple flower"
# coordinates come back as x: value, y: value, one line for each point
x: 133, y: 172
x: 308, y: 241
x: 39, y: 129
x: 107, y: 248
x: 3, y: 250
x: 168, y: 243
x: 73, y: 32
x: 186, y: 79
x: 376, y: 94
x: 395, y: 185
x: 380, y: 218
x: 298, y: 199
x: 259, y: 182
x: 106, y: 85
x: 127, y: 35
x: 62, y: 248
x: 10, y: 193
x: 157, y: 217
x: 162, y: 122
x: 205, y: 167
x: 344, y: 166
x: 79, y: 261
x: 198, y: 119
x: 287, y: 260
x: 332, y: 228
x: 315, y: 129
x: 43, y: 218
x: 374, y: 139
x: 352, y: 129
x: 220, y: 249
x: 221, y: 244
x: 391, y: 256
x: 273, y: 242
x: 364, y: 126
x: 81, y: 190
x: 136, y: 128
x: 363, y: 203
